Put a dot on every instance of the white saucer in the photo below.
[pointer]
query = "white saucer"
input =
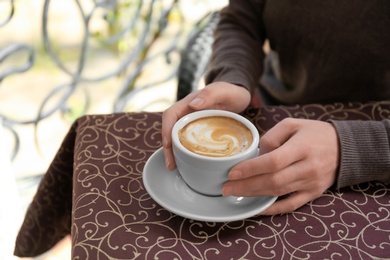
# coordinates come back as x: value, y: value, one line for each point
x: 169, y: 190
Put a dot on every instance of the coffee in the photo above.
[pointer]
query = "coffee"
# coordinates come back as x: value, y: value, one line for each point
x: 215, y: 136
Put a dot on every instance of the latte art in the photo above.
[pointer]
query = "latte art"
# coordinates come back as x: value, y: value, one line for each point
x: 215, y: 136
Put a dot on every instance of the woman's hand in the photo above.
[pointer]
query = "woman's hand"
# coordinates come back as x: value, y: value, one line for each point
x: 218, y: 95
x: 298, y: 157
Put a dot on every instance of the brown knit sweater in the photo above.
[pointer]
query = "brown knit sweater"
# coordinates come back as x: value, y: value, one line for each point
x: 321, y: 52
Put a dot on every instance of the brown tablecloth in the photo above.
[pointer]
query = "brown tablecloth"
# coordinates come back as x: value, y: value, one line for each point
x: 93, y: 190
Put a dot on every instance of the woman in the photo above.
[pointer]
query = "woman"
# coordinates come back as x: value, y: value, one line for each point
x: 321, y: 52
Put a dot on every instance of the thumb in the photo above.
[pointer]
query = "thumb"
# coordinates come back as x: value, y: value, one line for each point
x: 205, y: 98
x: 198, y: 103
x: 221, y: 95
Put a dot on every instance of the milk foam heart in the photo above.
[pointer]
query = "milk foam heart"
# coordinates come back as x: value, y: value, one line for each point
x: 215, y: 136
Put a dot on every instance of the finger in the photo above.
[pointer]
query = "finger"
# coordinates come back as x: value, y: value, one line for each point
x: 278, y: 135
x: 169, y: 159
x: 277, y: 150
x: 169, y: 118
x: 221, y: 95
x: 285, y: 181
x: 289, y: 204
x: 282, y: 157
x: 174, y: 113
x: 255, y: 187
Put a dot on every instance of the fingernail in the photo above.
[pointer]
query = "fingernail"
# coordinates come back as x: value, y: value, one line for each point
x: 227, y: 190
x: 197, y: 102
x: 235, y: 175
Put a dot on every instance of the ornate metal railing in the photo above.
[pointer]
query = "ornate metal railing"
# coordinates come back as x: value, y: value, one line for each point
x: 133, y: 34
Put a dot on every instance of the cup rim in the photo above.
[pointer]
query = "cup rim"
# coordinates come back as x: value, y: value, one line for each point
x: 214, y: 112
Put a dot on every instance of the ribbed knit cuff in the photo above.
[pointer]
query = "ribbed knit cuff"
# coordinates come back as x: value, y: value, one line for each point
x: 364, y: 152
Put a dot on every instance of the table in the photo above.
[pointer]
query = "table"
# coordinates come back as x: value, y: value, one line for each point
x: 93, y: 190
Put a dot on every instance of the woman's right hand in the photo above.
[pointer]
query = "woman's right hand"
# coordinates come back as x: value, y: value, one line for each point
x: 217, y: 95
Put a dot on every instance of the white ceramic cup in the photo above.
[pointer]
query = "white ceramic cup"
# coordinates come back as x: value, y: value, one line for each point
x: 204, y: 174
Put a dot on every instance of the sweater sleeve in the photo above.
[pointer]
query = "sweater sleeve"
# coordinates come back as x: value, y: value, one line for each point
x: 364, y: 151
x: 238, y: 45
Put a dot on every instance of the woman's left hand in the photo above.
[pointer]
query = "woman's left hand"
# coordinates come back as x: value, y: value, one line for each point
x: 298, y: 157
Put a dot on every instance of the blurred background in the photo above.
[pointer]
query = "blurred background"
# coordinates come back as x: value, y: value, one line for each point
x: 62, y: 59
